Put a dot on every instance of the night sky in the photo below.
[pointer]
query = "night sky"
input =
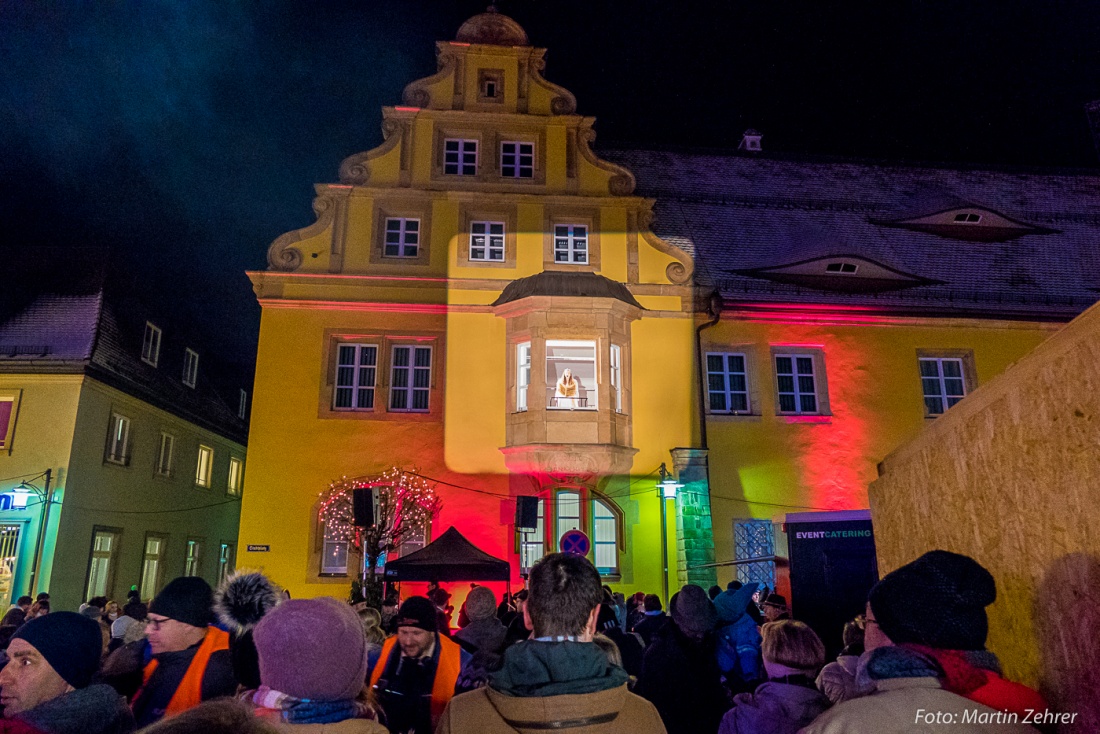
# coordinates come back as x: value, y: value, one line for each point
x: 187, y: 135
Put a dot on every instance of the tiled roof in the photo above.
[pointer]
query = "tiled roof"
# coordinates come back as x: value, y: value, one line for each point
x: 53, y: 328
x: 736, y: 212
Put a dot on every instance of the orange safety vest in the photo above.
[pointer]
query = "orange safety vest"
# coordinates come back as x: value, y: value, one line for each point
x: 189, y: 693
x: 446, y: 673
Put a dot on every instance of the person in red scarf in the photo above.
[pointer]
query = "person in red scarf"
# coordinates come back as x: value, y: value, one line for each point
x: 925, y: 636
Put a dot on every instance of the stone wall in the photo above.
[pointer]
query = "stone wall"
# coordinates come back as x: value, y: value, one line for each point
x: 694, y: 528
x: 1011, y: 477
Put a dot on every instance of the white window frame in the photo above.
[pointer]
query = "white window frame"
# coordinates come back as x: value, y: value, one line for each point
x: 616, y: 363
x: 729, y: 389
x: 354, y: 380
x: 227, y: 561
x: 940, y: 380
x: 591, y: 396
x: 204, y: 466
x: 523, y: 375
x: 571, y: 245
x: 417, y: 539
x: 242, y: 404
x: 797, y: 375
x: 408, y: 236
x: 166, y: 454
x: 521, y: 156
x: 562, y: 523
x: 118, y: 439
x: 101, y: 564
x: 150, y: 344
x: 967, y: 218
x: 190, y: 367
x: 533, y: 544
x: 192, y: 565
x: 403, y: 397
x: 465, y: 161
x: 152, y: 565
x: 600, y: 525
x: 492, y: 242
x: 235, y: 480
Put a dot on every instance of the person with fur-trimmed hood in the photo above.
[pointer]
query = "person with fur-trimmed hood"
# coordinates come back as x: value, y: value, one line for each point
x: 241, y: 601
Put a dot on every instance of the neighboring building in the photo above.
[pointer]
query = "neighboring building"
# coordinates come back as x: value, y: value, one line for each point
x: 456, y: 271
x: 142, y: 431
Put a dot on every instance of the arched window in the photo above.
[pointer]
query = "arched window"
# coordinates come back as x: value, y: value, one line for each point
x: 577, y: 509
x: 605, y: 537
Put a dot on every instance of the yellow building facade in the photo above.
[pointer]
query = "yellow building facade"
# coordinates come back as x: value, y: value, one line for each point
x: 453, y: 277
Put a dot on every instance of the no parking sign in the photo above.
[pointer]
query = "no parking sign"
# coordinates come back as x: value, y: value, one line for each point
x: 575, y: 542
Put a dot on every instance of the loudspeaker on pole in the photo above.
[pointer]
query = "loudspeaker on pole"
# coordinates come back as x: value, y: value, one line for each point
x: 364, y: 502
x: 527, y: 513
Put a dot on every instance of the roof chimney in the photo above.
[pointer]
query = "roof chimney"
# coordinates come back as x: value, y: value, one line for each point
x: 750, y: 141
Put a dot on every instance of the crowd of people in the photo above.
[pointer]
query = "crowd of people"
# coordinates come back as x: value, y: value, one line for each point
x: 565, y: 653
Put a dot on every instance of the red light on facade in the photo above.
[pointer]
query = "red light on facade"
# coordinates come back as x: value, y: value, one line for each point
x: 457, y: 43
x: 339, y: 186
x: 407, y: 109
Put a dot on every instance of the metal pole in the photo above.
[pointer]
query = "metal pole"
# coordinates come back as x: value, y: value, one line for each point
x: 41, y: 533
x: 664, y: 544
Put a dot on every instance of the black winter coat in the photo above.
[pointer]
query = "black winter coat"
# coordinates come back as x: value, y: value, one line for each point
x: 680, y: 676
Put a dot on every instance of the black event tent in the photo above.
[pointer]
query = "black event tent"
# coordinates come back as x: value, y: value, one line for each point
x: 450, y: 557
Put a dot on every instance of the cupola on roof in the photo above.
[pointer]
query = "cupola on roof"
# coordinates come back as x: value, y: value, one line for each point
x: 492, y: 28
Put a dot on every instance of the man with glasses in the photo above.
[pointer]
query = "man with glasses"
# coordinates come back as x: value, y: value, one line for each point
x: 191, y: 660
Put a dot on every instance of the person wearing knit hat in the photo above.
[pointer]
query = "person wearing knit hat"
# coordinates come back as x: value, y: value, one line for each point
x: 416, y: 674
x: 483, y: 632
x: 313, y: 665
x: 925, y: 649
x: 47, y: 681
x: 191, y: 660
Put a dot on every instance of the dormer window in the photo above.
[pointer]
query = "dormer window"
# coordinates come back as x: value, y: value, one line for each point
x: 490, y: 85
x: 150, y: 346
x: 968, y: 218
x: 847, y: 268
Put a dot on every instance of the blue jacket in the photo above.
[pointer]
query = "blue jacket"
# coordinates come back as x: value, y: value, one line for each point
x: 738, y: 638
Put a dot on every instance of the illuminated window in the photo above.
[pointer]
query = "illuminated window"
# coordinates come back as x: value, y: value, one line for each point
x: 150, y: 346
x: 523, y: 374
x: 617, y: 377
x: 102, y: 564
x: 118, y: 440
x: 227, y: 561
x: 166, y: 454
x: 402, y: 237
x: 567, y: 513
x: 460, y: 157
x: 796, y: 383
x: 151, y: 566
x: 533, y: 544
x: 190, y: 367
x: 605, y: 537
x: 334, y: 554
x: 7, y: 421
x: 192, y: 565
x: 236, y: 475
x: 356, y: 369
x: 943, y: 383
x: 571, y: 375
x: 968, y: 218
x: 487, y: 241
x: 571, y: 243
x: 204, y: 467
x: 517, y: 160
x: 411, y: 379
x: 727, y: 383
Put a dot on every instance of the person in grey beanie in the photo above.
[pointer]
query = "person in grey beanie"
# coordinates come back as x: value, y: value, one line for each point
x: 47, y: 683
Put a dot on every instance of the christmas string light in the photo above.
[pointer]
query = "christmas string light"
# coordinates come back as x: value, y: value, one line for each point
x: 406, y: 502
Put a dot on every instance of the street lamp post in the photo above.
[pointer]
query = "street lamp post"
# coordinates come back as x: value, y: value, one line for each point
x: 666, y: 488
x: 44, y: 495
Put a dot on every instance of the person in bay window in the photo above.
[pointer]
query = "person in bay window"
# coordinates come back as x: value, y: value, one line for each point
x: 567, y: 391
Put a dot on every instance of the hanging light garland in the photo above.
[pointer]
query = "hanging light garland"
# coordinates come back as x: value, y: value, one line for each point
x: 406, y: 502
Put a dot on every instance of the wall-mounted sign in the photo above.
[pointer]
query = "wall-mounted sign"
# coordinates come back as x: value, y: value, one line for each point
x: 575, y: 542
x: 258, y: 548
